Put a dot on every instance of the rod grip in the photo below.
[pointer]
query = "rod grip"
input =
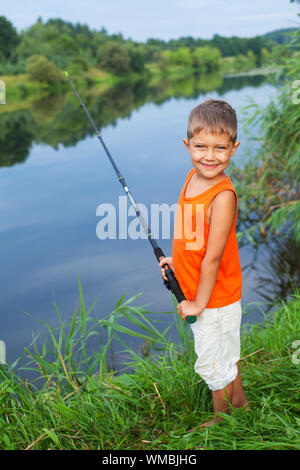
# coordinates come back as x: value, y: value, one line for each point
x: 173, y: 284
x: 176, y: 289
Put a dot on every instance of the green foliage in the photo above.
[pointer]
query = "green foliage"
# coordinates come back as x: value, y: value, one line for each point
x: 76, y: 401
x: 239, y: 63
x: 265, y: 56
x: 120, y: 58
x: 16, y: 135
x: 78, y: 66
x: 62, y: 43
x: 203, y: 59
x: 182, y: 56
x: 281, y: 36
x: 137, y: 59
x: 65, y: 46
x: 269, y: 184
x: 115, y: 58
x: 41, y: 69
x: 206, y: 59
x: 9, y: 38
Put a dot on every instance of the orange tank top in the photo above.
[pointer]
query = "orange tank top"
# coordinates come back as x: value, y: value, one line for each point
x: 190, y: 242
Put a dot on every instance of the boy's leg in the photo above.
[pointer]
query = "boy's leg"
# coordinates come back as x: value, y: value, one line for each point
x: 239, y: 399
x: 221, y: 399
x: 233, y: 393
x: 217, y: 344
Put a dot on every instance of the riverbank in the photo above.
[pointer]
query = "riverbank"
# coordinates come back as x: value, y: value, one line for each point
x: 252, y: 73
x: 22, y: 92
x: 154, y: 406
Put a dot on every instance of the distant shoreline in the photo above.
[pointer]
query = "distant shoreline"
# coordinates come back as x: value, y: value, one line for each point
x: 262, y: 71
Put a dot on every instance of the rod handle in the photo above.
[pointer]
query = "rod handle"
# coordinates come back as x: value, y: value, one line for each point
x: 173, y: 284
x: 175, y: 288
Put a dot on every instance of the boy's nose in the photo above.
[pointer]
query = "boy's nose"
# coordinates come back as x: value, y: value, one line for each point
x: 210, y: 156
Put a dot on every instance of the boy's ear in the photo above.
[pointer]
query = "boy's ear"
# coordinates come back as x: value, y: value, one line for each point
x: 234, y: 148
x: 186, y: 144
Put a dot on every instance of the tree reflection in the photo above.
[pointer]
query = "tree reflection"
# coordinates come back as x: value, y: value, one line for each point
x: 16, y: 137
x: 57, y: 119
x: 275, y: 265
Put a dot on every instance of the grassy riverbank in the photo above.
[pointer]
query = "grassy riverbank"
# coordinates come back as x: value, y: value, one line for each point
x: 154, y: 405
x: 22, y: 92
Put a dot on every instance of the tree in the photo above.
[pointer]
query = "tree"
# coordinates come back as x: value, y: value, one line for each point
x: 206, y: 58
x: 137, y: 61
x: 265, y: 56
x: 164, y: 58
x: 9, y: 38
x: 115, y: 58
x: 255, y: 45
x: 65, y: 46
x: 252, y: 59
x: 41, y: 69
x: 269, y: 182
x: 182, y: 56
x: 78, y: 66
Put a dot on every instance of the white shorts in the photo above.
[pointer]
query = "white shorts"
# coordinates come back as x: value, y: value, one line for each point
x: 217, y: 344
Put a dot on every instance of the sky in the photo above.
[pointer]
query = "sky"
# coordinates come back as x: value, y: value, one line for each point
x: 163, y: 19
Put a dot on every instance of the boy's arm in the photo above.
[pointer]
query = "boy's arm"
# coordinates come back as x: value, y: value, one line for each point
x: 222, y: 217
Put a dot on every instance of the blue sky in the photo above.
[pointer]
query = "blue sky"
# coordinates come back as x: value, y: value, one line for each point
x: 164, y: 19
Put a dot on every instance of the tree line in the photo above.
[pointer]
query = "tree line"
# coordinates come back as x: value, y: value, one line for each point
x: 47, y: 48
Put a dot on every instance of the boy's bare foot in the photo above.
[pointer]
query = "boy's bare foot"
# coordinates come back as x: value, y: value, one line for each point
x: 207, y: 424
x: 244, y: 404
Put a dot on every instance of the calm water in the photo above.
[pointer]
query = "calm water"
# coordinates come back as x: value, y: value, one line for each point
x: 49, y: 199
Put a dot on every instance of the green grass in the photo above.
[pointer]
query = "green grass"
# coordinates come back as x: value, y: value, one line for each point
x: 76, y: 402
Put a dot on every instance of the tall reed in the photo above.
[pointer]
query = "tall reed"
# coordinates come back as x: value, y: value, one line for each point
x: 78, y: 402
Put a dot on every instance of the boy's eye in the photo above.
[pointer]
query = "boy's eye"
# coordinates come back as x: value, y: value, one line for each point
x: 219, y: 147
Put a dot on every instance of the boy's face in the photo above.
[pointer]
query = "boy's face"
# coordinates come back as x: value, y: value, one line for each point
x: 210, y: 153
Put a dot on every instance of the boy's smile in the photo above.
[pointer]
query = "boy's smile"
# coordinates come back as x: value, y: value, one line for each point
x: 210, y: 153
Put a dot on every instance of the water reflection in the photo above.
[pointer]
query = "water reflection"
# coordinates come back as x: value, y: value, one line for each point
x: 58, y: 119
x: 274, y: 264
x: 16, y: 137
x: 49, y: 204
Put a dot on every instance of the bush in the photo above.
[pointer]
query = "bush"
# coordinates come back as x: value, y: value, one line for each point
x: 114, y: 58
x: 78, y: 65
x: 206, y: 58
x: 41, y: 69
x: 9, y: 38
x: 182, y: 56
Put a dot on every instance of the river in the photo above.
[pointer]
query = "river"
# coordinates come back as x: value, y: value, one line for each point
x: 54, y: 176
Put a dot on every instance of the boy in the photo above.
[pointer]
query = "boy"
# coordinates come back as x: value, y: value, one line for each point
x: 208, y: 270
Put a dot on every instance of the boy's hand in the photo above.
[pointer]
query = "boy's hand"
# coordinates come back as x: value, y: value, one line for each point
x: 186, y: 308
x: 168, y: 261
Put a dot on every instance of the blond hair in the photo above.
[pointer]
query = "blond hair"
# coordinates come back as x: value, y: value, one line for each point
x: 215, y: 116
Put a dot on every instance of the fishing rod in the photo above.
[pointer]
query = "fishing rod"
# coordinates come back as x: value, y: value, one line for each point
x: 171, y: 283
